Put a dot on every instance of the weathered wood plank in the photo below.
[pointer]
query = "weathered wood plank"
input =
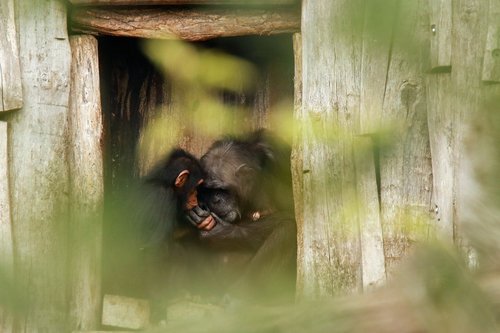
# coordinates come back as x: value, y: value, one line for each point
x: 181, y: 2
x: 441, y: 34
x: 296, y: 156
x: 86, y: 200
x: 38, y: 172
x: 192, y: 25
x: 11, y: 94
x: 491, y: 60
x: 6, y: 246
x: 440, y: 120
x: 372, y: 241
x: 403, y: 144
x: 125, y: 312
x: 468, y: 91
x: 331, y: 59
x: 454, y: 100
x: 377, y: 42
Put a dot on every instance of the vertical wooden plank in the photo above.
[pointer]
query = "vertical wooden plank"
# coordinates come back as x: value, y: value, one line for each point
x: 454, y: 100
x: 468, y: 91
x: 86, y: 200
x: 440, y: 34
x: 441, y: 124
x: 372, y: 242
x: 491, y: 60
x: 403, y: 143
x: 377, y: 41
x: 39, y: 166
x: 296, y: 156
x: 6, y: 246
x: 331, y: 50
x: 11, y: 94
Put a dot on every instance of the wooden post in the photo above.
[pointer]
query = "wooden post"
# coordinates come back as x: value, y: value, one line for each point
x: 393, y: 110
x: 11, y: 95
x: 6, y: 246
x: 38, y: 169
x: 296, y: 159
x: 86, y: 167
x: 329, y: 249
x: 469, y: 93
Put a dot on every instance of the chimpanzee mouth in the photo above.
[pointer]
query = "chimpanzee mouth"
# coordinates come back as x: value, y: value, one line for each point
x: 232, y: 216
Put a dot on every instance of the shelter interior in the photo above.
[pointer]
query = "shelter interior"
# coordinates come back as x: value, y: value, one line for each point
x: 137, y: 95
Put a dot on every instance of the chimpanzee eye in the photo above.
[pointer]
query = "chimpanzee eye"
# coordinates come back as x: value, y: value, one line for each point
x: 216, y: 199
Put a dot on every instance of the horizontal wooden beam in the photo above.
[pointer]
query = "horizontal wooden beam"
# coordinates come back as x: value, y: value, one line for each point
x: 181, y: 2
x: 191, y: 25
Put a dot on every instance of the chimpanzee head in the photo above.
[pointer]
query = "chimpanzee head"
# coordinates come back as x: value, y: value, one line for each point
x: 181, y: 173
x: 243, y: 176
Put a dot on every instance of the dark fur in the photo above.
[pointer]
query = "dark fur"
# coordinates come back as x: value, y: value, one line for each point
x: 161, y: 205
x: 244, y: 176
x: 249, y: 260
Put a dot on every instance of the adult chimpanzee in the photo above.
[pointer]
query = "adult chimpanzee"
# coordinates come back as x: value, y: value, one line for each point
x: 248, y: 185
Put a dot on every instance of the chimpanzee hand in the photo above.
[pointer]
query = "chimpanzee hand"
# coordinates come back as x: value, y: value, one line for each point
x: 201, y: 218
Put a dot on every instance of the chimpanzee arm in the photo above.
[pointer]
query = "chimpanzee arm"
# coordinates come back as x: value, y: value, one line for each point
x: 157, y: 214
x: 246, y: 234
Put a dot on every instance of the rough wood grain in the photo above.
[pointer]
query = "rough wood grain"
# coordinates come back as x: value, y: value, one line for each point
x: 440, y: 32
x: 441, y: 127
x: 11, y: 94
x: 469, y: 93
x: 181, y: 2
x: 454, y: 100
x: 491, y: 60
x: 296, y: 156
x: 87, y: 184
x: 379, y: 20
x: 192, y: 25
x: 403, y: 141
x: 6, y: 246
x: 38, y: 171
x: 331, y: 50
x: 370, y: 225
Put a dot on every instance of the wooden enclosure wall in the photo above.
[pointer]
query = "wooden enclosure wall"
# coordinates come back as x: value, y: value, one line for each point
x: 38, y: 166
x: 420, y: 69
x: 50, y: 172
x: 386, y: 85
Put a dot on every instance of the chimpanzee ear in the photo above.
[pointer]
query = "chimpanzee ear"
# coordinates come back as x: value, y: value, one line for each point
x: 266, y: 150
x: 245, y: 172
x: 262, y: 146
x: 181, y: 178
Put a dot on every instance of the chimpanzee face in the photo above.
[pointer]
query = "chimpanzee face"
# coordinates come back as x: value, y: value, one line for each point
x: 231, y: 177
x: 221, y: 202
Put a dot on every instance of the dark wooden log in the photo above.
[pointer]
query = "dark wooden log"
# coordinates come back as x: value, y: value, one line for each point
x: 191, y: 25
